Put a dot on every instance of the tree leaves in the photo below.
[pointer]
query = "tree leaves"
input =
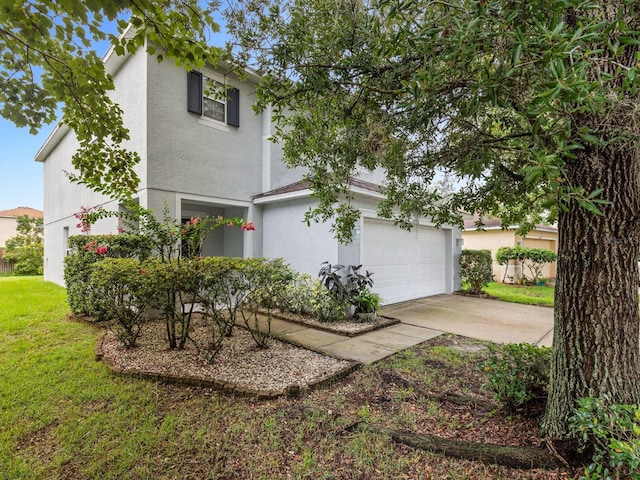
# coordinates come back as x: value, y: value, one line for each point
x: 503, y: 94
x: 47, y: 63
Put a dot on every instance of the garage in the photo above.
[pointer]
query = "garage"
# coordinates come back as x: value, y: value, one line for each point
x: 406, y: 265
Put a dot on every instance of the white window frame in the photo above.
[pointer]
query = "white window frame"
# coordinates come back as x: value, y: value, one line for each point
x: 204, y: 119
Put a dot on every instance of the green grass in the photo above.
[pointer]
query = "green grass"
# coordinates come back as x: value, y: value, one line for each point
x: 57, y: 402
x: 64, y: 415
x: 521, y: 294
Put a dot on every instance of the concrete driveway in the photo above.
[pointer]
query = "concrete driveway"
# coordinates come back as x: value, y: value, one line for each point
x: 492, y: 320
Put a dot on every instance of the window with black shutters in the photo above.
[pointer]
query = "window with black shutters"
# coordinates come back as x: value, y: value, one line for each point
x: 211, y: 98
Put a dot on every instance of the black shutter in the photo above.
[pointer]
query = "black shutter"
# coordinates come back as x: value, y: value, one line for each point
x: 194, y: 92
x: 233, y: 107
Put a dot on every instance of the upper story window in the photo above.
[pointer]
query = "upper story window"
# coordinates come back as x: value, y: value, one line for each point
x: 214, y: 103
x: 210, y: 98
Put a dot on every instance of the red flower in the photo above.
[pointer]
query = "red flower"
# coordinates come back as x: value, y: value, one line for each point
x: 143, y: 272
x: 248, y: 226
x: 101, y: 250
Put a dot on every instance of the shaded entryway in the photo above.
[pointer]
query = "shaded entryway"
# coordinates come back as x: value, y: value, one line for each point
x: 224, y: 241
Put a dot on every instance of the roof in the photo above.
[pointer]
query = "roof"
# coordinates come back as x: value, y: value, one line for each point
x: 21, y: 211
x: 305, y: 185
x: 493, y: 223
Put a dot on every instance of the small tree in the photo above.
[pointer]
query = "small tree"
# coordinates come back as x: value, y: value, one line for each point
x: 535, y: 259
x: 475, y: 269
x: 26, y: 249
x: 532, y: 258
x: 504, y: 255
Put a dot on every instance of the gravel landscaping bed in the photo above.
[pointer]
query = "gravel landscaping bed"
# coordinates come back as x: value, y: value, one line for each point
x: 241, y: 367
x: 348, y: 328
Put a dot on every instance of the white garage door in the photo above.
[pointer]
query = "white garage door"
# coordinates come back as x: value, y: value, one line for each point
x: 406, y: 265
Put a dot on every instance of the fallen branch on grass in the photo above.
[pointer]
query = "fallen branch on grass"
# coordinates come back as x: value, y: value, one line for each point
x: 508, y: 456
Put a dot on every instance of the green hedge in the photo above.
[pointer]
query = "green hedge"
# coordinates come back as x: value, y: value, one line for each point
x: 224, y: 289
x: 475, y: 270
x: 85, y: 250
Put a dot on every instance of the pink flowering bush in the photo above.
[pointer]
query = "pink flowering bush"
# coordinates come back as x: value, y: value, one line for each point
x: 88, y: 217
x: 168, y: 263
x: 85, y: 250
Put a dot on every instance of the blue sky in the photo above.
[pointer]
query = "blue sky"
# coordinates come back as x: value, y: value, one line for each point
x: 21, y: 176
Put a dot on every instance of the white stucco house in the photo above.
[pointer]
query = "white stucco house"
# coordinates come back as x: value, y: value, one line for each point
x: 203, y: 155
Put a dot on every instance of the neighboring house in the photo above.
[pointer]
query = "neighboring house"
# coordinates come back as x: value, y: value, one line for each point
x: 9, y: 222
x: 492, y: 236
x: 206, y: 155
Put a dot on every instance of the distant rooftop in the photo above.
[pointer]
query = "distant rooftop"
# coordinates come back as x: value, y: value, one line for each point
x: 495, y: 223
x: 20, y: 211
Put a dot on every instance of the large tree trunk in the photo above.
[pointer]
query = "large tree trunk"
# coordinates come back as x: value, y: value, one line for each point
x: 597, y: 337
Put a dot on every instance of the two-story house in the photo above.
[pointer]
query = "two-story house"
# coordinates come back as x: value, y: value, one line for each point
x: 203, y: 154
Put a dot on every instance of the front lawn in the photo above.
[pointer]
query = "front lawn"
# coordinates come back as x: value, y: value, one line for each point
x: 530, y: 295
x: 64, y: 415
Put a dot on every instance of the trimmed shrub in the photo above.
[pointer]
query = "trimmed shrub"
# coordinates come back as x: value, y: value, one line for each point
x: 518, y: 374
x: 532, y: 258
x: 85, y: 250
x: 475, y: 270
x: 120, y: 287
x: 174, y: 288
x: 610, y: 434
x: 305, y: 295
x: 258, y: 284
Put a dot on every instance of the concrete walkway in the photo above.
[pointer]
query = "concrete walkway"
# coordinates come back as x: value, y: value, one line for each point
x: 499, y: 322
x: 424, y: 319
x: 365, y: 348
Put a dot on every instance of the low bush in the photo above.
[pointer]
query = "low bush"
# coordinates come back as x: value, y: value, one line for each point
x: 347, y: 287
x: 259, y: 283
x: 518, y: 374
x: 26, y: 249
x: 121, y: 290
x: 305, y: 295
x: 217, y: 299
x: 174, y: 288
x: 367, y: 303
x: 27, y: 260
x: 475, y: 269
x: 610, y: 434
x: 84, y: 251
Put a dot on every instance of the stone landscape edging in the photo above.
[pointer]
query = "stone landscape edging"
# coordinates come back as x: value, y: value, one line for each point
x: 326, y: 328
